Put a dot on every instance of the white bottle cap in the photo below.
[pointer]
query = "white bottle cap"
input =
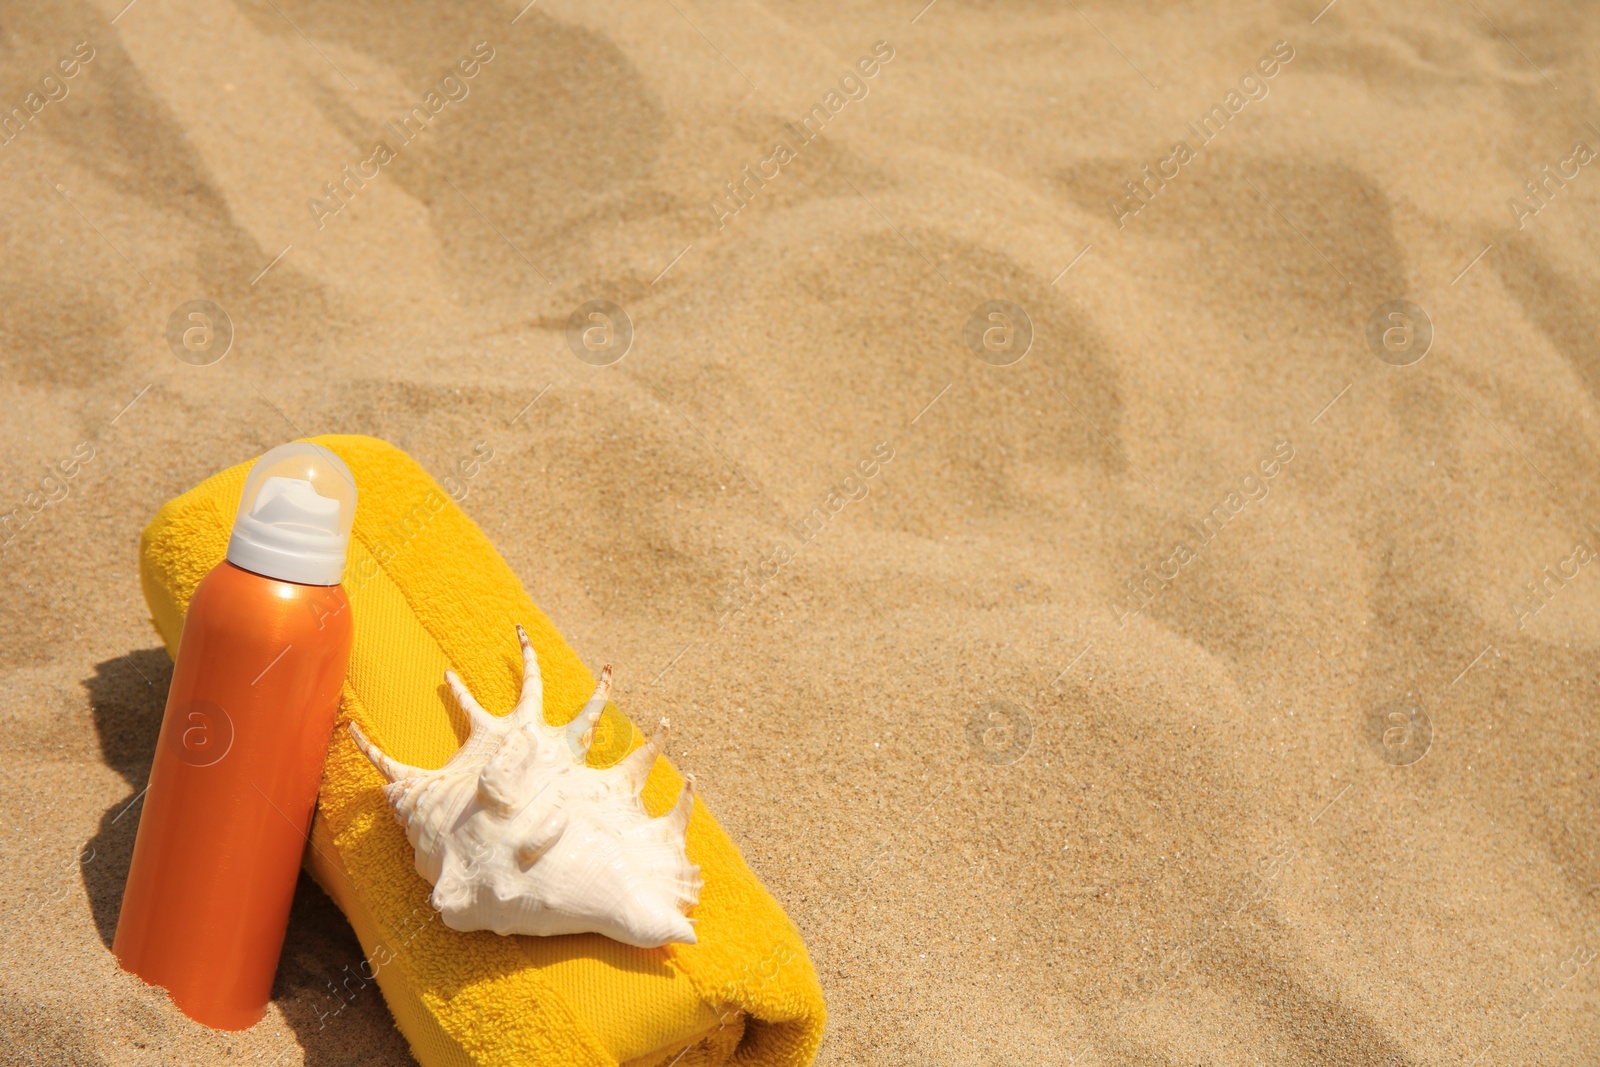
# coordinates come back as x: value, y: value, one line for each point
x: 295, y: 515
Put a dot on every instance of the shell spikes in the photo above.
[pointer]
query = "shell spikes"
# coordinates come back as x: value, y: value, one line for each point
x: 519, y: 835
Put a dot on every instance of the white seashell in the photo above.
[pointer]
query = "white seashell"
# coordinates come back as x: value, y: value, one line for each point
x: 519, y: 836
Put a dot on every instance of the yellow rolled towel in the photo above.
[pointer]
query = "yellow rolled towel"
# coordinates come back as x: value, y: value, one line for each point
x: 428, y: 591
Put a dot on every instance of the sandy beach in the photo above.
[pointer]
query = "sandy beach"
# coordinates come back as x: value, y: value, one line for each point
x: 1104, y: 492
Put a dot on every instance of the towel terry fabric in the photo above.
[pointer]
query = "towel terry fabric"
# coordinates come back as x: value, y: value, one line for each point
x: 429, y: 591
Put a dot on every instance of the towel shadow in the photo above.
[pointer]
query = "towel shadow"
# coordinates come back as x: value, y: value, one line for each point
x: 336, y: 1017
x: 324, y: 990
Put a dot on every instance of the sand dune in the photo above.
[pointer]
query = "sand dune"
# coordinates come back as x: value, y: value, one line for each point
x: 1037, y: 787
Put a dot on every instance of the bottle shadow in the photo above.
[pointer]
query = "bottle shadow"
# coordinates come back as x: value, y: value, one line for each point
x: 126, y: 697
x: 336, y: 1016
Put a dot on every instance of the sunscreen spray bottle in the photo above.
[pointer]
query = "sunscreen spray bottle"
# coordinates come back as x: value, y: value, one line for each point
x: 254, y: 693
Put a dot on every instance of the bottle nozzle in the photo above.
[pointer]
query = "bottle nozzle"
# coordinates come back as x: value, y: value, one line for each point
x: 295, y: 515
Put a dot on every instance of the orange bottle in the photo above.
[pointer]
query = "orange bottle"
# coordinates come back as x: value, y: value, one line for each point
x: 254, y: 693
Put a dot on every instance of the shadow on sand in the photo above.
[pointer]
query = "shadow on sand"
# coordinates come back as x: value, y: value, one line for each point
x: 338, y: 1020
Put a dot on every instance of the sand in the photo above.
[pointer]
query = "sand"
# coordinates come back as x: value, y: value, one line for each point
x: 1211, y: 684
